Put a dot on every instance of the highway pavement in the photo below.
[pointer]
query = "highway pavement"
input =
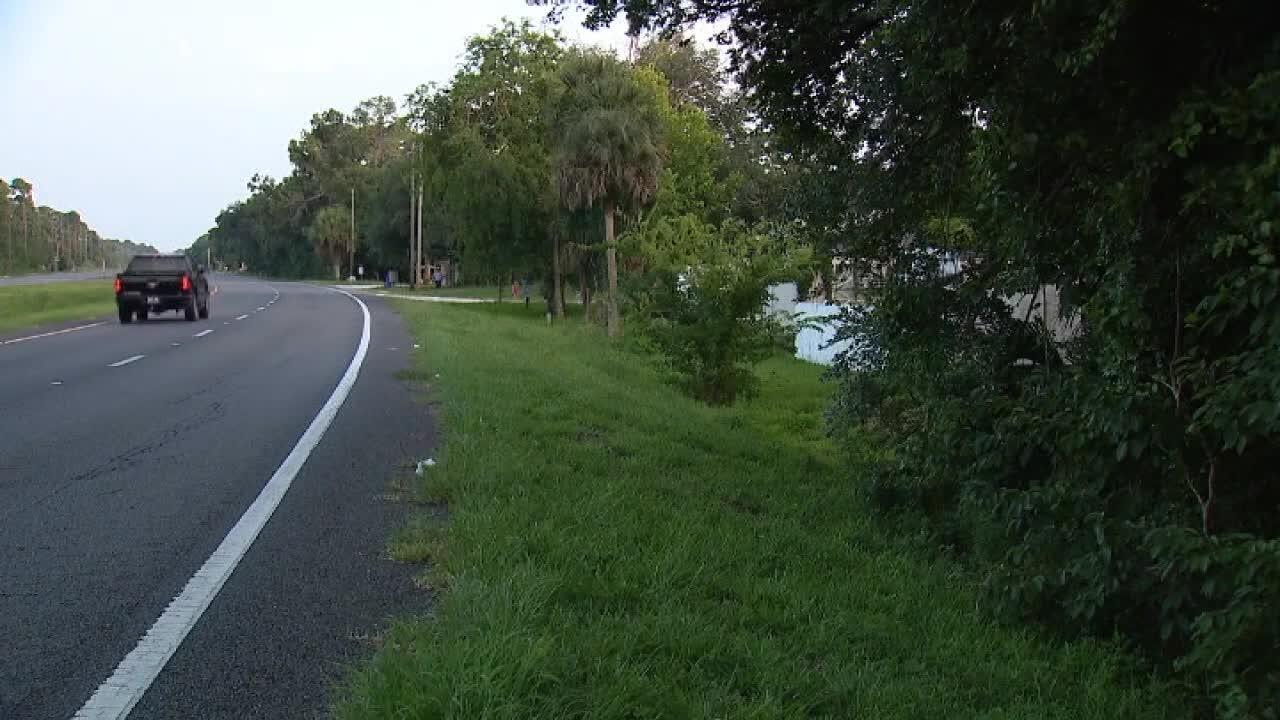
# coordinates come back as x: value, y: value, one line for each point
x: 193, y: 515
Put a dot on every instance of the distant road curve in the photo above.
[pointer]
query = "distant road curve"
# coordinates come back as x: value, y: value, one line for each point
x: 53, y: 277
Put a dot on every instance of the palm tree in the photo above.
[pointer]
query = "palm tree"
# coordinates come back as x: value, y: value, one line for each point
x: 329, y: 235
x: 607, y: 146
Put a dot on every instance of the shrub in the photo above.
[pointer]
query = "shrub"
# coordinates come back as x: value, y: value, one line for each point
x: 701, y: 301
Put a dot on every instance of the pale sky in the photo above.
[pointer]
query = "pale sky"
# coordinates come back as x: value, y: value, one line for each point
x: 149, y: 116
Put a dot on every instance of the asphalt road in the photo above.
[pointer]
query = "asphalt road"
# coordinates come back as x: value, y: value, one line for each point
x: 119, y: 478
x: 52, y: 277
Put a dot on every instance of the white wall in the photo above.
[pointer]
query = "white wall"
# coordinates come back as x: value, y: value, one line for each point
x: 782, y: 299
x: 812, y: 342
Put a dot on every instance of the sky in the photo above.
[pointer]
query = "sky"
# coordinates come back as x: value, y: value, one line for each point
x: 149, y: 116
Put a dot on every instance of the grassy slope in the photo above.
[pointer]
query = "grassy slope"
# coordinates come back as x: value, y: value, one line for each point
x: 30, y: 305
x: 618, y: 551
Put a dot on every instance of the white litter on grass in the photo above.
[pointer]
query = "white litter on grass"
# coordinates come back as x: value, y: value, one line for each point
x: 437, y: 376
x: 423, y: 465
x: 416, y: 346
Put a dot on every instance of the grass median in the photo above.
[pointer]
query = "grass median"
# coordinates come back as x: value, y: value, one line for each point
x: 24, y: 306
x: 616, y: 550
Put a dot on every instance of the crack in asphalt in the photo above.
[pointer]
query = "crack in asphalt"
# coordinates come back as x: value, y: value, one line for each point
x: 132, y: 457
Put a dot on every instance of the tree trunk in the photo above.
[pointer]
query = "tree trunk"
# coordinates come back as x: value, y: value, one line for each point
x: 352, y: 267
x: 562, y: 292
x: 557, y: 296
x: 611, y: 258
x: 337, y: 270
x: 584, y: 288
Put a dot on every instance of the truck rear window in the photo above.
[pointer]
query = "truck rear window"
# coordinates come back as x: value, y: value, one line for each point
x: 157, y: 265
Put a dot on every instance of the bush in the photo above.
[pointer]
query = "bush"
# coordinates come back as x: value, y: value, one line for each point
x: 1092, y: 497
x: 701, y: 301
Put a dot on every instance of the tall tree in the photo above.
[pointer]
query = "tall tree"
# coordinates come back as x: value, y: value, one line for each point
x: 329, y: 234
x: 6, y: 226
x: 22, y: 195
x: 484, y: 152
x: 608, y: 148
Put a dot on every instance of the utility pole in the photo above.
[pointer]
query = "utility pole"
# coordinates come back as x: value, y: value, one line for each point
x: 353, y: 232
x: 417, y: 268
x: 413, y: 237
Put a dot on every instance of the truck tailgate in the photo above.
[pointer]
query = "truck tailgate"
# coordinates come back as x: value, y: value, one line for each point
x: 152, y: 284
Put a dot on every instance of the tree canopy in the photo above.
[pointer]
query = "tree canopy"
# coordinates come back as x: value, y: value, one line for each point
x: 38, y: 238
x: 1120, y: 158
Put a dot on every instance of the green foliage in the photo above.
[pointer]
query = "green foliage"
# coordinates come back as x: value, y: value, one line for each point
x: 41, y: 239
x: 701, y: 301
x: 1225, y: 591
x: 681, y: 561
x: 690, y: 182
x: 330, y: 233
x: 1123, y: 154
x: 525, y: 157
x: 609, y: 143
x: 695, y: 79
x: 360, y: 153
x: 484, y: 151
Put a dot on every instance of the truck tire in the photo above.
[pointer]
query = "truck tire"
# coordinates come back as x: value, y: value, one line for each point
x: 141, y: 313
x: 204, y: 310
x: 126, y: 315
x: 190, y: 311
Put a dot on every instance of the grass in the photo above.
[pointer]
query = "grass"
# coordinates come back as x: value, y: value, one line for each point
x: 483, y: 293
x: 616, y: 550
x: 30, y: 305
x: 486, y: 292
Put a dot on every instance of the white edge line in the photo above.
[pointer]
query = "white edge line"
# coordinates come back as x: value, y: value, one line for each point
x: 115, y: 698
x: 51, y: 334
x: 127, y: 360
x: 202, y: 333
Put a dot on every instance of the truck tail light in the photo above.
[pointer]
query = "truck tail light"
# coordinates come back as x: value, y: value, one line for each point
x: 186, y: 283
x: 119, y: 286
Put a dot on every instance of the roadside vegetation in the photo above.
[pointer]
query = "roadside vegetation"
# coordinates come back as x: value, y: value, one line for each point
x: 480, y: 293
x: 676, y: 560
x: 1066, y: 373
x: 35, y: 238
x: 24, y: 306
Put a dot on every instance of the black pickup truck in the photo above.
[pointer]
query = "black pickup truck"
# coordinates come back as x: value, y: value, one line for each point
x: 158, y: 283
